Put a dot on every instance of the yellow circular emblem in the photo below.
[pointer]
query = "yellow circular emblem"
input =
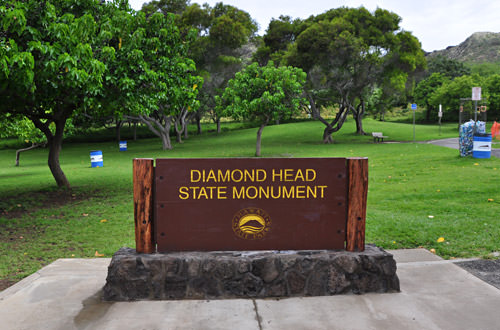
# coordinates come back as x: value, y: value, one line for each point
x: 251, y: 223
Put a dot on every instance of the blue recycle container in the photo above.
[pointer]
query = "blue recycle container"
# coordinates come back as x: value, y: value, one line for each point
x: 96, y: 158
x: 465, y: 140
x: 123, y: 145
x: 482, y: 146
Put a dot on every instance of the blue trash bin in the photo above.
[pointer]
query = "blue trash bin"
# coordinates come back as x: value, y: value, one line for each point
x: 482, y: 146
x: 123, y: 145
x: 96, y: 158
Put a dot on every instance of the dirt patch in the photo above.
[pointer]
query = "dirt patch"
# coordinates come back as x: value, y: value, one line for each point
x: 4, y: 284
x: 12, y: 207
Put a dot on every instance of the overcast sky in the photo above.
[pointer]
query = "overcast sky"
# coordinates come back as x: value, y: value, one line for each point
x: 436, y: 23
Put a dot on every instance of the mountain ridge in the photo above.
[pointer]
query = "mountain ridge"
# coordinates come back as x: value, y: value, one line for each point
x: 480, y: 47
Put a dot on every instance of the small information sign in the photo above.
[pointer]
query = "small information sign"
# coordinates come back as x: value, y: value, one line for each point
x: 476, y: 93
x: 414, y: 106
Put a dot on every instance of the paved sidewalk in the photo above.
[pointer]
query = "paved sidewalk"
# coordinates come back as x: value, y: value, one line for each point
x: 435, y: 294
x: 453, y: 143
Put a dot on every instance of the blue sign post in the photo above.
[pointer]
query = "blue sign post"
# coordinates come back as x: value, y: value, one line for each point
x: 414, y: 108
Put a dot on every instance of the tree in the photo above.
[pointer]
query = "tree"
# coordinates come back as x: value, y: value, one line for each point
x: 347, y: 52
x: 49, y: 69
x: 484, y: 69
x: 223, y: 31
x: 264, y: 94
x: 165, y: 6
x: 492, y: 86
x: 450, y: 93
x: 448, y: 67
x: 149, y: 77
x: 279, y: 35
x: 59, y: 59
x: 425, y: 89
x: 220, y: 49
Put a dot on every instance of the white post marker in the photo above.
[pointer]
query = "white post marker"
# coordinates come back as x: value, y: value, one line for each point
x: 440, y: 115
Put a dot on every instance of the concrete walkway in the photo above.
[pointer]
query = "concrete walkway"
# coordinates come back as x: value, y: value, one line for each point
x: 453, y: 143
x: 435, y: 294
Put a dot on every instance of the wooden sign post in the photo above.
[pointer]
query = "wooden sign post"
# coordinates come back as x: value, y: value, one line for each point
x: 144, y: 205
x: 356, y: 211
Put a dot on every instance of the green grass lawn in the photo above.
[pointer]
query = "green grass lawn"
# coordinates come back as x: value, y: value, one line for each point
x: 417, y: 192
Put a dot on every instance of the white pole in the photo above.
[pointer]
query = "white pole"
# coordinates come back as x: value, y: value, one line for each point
x: 440, y: 115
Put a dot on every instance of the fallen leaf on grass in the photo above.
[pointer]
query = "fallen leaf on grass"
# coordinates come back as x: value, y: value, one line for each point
x: 476, y: 164
x: 440, y: 240
x: 85, y: 214
x: 432, y: 251
x: 97, y: 254
x: 104, y: 220
x: 431, y: 217
x: 491, y: 200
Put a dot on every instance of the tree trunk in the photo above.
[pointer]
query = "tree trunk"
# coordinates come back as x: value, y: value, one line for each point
x: 165, y: 133
x: 259, y: 138
x: 180, y: 124
x: 428, y: 113
x: 54, y: 151
x: 335, y: 125
x: 327, y: 135
x: 329, y: 129
x: 359, y: 126
x: 198, y: 124
x: 33, y: 146
x: 160, y: 126
x: 358, y: 116
x: 55, y: 142
x: 165, y: 140
x: 218, y: 126
x: 119, y: 124
x: 313, y: 110
x: 382, y: 115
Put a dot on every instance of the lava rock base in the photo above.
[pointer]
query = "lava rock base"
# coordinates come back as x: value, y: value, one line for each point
x: 255, y: 274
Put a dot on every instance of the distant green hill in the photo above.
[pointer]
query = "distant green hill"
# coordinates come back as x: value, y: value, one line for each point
x: 480, y: 47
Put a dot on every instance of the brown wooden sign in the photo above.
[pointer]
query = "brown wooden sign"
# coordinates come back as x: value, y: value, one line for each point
x: 254, y: 204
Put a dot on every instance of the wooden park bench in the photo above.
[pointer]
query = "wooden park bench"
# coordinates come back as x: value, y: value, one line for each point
x: 378, y: 137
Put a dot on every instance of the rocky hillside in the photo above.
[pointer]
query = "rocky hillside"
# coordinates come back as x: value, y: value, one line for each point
x: 478, y: 48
